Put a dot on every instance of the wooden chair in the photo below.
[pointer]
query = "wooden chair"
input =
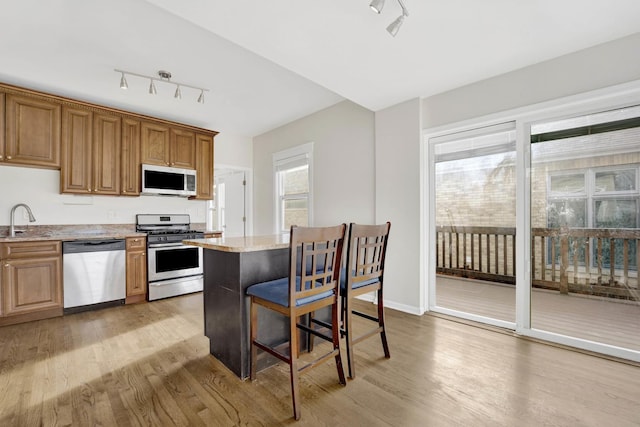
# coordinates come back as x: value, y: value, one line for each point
x: 364, y: 273
x: 313, y: 282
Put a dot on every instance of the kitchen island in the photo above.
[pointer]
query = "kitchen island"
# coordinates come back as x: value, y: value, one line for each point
x: 231, y: 264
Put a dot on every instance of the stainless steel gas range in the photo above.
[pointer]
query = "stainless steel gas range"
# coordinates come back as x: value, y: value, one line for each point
x: 173, y: 268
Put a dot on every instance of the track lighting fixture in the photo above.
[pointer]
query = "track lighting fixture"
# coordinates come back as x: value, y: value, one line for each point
x: 394, y: 27
x: 165, y: 77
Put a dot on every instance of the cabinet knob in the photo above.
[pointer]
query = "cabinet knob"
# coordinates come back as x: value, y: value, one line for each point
x: 8, y: 157
x: 1, y: 157
x: 6, y: 265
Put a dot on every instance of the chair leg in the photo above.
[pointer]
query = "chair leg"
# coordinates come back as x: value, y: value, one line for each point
x: 335, y: 330
x: 383, y: 333
x: 310, y: 340
x: 293, y: 365
x: 348, y: 334
x: 253, y: 336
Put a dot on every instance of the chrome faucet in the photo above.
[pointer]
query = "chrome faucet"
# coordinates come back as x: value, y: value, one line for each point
x: 12, y: 230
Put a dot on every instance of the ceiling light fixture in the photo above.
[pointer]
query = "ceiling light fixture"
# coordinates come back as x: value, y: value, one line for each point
x: 394, y: 27
x: 377, y: 5
x: 165, y: 77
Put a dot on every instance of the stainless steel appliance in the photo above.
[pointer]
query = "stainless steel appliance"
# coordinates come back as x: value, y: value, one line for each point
x: 94, y: 274
x: 168, y: 181
x: 173, y: 268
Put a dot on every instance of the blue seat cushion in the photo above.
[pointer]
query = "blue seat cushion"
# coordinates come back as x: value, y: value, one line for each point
x: 277, y: 291
x: 356, y: 285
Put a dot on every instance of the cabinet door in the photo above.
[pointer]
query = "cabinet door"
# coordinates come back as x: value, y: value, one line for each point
x: 32, y: 132
x: 183, y: 149
x: 136, y: 269
x: 75, y: 173
x: 2, y: 132
x: 155, y: 144
x: 204, y: 167
x: 30, y: 285
x: 130, y: 167
x: 106, y: 154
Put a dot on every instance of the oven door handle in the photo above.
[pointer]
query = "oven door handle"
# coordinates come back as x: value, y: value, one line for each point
x: 166, y: 245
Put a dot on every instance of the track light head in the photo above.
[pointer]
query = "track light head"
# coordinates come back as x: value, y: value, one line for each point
x: 152, y: 88
x: 123, y: 82
x: 201, y: 97
x: 178, y: 93
x: 377, y: 5
x: 394, y: 27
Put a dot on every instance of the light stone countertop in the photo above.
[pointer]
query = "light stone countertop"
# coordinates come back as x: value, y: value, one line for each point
x: 242, y: 244
x: 69, y: 232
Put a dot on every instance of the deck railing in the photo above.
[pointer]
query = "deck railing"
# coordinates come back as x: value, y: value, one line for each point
x: 566, y: 260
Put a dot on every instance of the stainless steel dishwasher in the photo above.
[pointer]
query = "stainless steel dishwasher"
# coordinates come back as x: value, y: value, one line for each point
x: 94, y: 274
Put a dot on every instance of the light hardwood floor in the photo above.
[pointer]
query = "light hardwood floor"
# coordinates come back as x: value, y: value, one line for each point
x: 149, y: 364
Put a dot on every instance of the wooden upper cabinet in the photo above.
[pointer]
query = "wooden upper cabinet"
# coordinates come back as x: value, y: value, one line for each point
x: 2, y: 132
x: 182, y: 149
x: 130, y: 173
x: 32, y: 132
x: 155, y: 144
x: 204, y: 167
x: 167, y: 146
x: 106, y: 153
x: 90, y: 152
x: 75, y: 173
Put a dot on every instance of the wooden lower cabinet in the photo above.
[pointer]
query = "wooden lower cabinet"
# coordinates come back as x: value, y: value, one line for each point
x: 136, y: 269
x: 31, y: 281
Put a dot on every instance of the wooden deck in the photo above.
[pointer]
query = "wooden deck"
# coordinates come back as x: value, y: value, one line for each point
x: 605, y: 320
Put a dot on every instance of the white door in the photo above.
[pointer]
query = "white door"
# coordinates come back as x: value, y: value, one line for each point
x: 232, y: 201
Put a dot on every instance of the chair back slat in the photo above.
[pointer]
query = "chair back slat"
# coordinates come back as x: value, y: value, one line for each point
x: 314, y: 268
x: 367, y: 249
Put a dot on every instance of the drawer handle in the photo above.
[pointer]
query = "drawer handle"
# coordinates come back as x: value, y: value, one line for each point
x: 8, y: 157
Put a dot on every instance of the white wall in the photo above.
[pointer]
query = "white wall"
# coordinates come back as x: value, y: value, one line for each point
x: 398, y: 133
x: 343, y: 181
x: 601, y: 66
x: 233, y: 150
x: 40, y: 189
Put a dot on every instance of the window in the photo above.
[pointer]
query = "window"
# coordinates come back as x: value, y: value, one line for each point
x: 292, y: 176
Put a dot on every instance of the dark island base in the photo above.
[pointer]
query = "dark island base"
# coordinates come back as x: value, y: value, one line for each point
x: 226, y: 307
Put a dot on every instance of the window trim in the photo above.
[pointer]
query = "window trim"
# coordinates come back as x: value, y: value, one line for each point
x: 296, y: 156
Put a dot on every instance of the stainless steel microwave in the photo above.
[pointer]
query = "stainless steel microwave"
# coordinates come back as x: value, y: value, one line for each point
x: 168, y: 181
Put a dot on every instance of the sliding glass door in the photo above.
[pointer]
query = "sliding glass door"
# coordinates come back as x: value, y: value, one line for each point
x: 585, y: 227
x: 475, y: 194
x: 575, y: 183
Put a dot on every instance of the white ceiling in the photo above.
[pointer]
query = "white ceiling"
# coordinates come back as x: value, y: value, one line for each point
x: 270, y: 62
